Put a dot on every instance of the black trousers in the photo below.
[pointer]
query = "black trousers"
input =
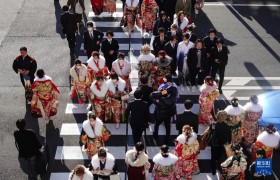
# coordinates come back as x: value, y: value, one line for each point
x: 71, y: 38
x: 193, y: 73
x: 136, y: 133
x: 167, y: 123
x: 218, y: 153
x: 221, y: 68
x: 109, y: 60
x: 173, y: 66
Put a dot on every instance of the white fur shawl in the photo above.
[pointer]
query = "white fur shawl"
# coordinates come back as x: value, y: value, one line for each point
x: 125, y: 70
x: 112, y: 88
x: 101, y: 63
x: 97, y: 128
x: 234, y: 111
x: 87, y: 176
x: 45, y: 78
x: 96, y: 92
x: 183, y: 24
x: 110, y: 162
x: 182, y: 138
x: 146, y: 57
x: 253, y: 107
x: 171, y: 159
x: 141, y: 160
x: 82, y: 75
x: 270, y: 140
x: 207, y: 88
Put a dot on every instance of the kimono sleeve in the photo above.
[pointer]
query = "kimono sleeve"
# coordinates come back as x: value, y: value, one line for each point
x: 105, y: 133
x: 83, y: 136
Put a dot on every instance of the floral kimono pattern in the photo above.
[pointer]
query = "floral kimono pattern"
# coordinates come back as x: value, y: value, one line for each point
x: 111, y: 6
x: 149, y: 9
x: 146, y: 69
x: 97, y: 6
x: 250, y: 126
x: 235, y: 124
x: 95, y: 69
x: 130, y: 15
x: 79, y: 82
x: 163, y: 172
x: 233, y: 168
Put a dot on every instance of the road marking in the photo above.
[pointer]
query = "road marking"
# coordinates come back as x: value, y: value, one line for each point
x: 105, y: 14
x: 238, y: 82
x: 251, y: 87
x: 252, y: 78
x: 240, y: 5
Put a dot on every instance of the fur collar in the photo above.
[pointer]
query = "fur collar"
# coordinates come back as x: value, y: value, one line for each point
x: 92, y: 65
x: 121, y: 85
x: 166, y: 63
x: 207, y: 89
x: 110, y: 162
x: 134, y: 4
x: 83, y: 73
x: 87, y: 176
x: 234, y: 111
x: 125, y: 70
x: 142, y: 158
x: 184, y: 23
x: 97, y: 129
x: 182, y: 138
x: 146, y: 57
x: 171, y: 159
x: 45, y: 78
x: 253, y: 107
x: 270, y: 140
x: 102, y: 93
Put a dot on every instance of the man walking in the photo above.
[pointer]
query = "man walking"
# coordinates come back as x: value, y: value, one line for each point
x: 110, y: 48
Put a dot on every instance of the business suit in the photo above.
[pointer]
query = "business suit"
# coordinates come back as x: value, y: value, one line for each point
x: 106, y: 47
x: 160, y: 24
x: 219, y: 58
x: 178, y: 34
x: 187, y: 118
x: 193, y: 37
x: 159, y: 44
x: 139, y: 117
x: 172, y: 52
x: 69, y: 27
x: 90, y: 43
x: 146, y: 92
x: 196, y: 69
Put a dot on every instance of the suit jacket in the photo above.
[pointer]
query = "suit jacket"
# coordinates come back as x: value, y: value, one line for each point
x: 69, y: 23
x: 90, y: 44
x: 179, y: 35
x: 73, y: 3
x: 193, y: 38
x: 139, y: 114
x: 187, y: 118
x: 222, y: 56
x: 170, y: 51
x: 158, y: 45
x: 107, y: 46
x: 160, y: 24
x: 192, y: 59
x: 146, y: 92
x: 27, y: 143
x: 209, y: 44
x: 27, y: 64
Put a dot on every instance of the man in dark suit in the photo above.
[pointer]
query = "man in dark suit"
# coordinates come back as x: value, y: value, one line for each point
x: 145, y: 90
x: 209, y: 43
x: 69, y: 27
x: 28, y: 146
x: 92, y: 39
x: 110, y: 47
x: 193, y: 36
x: 174, y: 31
x: 187, y: 118
x: 219, y: 57
x: 171, y: 50
x: 197, y: 64
x: 159, y: 41
x: 139, y: 117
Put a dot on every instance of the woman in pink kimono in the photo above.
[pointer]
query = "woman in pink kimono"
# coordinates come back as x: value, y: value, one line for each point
x: 149, y: 10
x: 207, y: 97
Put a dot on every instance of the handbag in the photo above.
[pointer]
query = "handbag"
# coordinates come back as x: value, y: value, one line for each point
x: 203, y: 142
x: 211, y: 136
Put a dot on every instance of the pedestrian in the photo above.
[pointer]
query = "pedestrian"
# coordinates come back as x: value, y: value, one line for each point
x: 79, y: 11
x: 210, y: 42
x: 80, y: 172
x: 159, y: 41
x: 222, y: 137
x: 96, y: 66
x: 122, y: 67
x: 162, y: 22
x: 149, y: 9
x: 184, y: 6
x: 208, y: 95
x: 69, y: 27
x: 171, y: 50
x: 25, y: 66
x: 219, y: 60
x: 93, y: 135
x: 110, y: 47
x: 92, y: 39
x: 79, y: 81
x: 138, y: 163
x: 44, y: 100
x: 28, y: 146
x: 99, y: 97
x: 111, y: 6
x: 170, y: 9
x: 174, y: 31
x: 197, y: 64
x: 187, y: 150
x: 164, y: 166
x: 118, y: 99
x: 193, y: 36
x: 103, y: 165
x: 181, y: 21
x: 139, y: 116
x: 260, y: 154
x: 187, y: 118
x: 145, y: 90
x: 97, y: 6
x: 131, y: 11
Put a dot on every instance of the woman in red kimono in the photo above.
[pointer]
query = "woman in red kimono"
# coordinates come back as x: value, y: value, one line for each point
x: 122, y: 68
x: 149, y: 10
x: 111, y: 6
x: 97, y: 6
x: 131, y: 10
x: 44, y: 100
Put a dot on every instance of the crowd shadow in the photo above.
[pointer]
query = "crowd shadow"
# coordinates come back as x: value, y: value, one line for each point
x: 58, y: 12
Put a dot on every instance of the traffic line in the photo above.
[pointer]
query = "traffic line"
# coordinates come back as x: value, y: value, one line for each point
x: 253, y: 78
x: 251, y: 87
x: 105, y: 14
x: 238, y: 82
x: 240, y: 5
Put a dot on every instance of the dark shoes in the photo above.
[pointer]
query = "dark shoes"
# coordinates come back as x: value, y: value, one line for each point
x: 155, y: 136
x: 220, y: 91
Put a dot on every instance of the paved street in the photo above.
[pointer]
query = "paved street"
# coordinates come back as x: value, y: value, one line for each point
x: 251, y: 32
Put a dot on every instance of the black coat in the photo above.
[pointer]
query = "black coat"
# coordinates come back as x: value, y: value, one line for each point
x: 27, y: 143
x: 209, y: 44
x: 193, y: 38
x: 90, y: 44
x: 179, y: 35
x: 160, y: 24
x: 107, y: 46
x: 187, y: 118
x: 193, y: 60
x: 222, y: 56
x: 223, y: 133
x: 158, y: 45
x: 170, y: 51
x: 146, y: 92
x: 69, y: 23
x: 27, y: 64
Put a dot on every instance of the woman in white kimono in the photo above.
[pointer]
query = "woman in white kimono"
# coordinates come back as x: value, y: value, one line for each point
x: 181, y: 21
x: 80, y: 172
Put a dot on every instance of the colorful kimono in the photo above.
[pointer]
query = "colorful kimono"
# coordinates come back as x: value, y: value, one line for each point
x: 162, y: 68
x: 249, y: 127
x: 146, y: 68
x: 100, y: 100
x: 118, y: 98
x: 123, y: 71
x: 234, y: 168
x: 44, y: 95
x: 164, y: 167
x: 137, y: 168
x: 79, y: 82
x: 206, y: 101
x: 96, y: 68
x: 94, y: 137
x: 235, y: 116
x: 111, y: 6
x: 131, y: 9
x: 97, y: 6
x: 149, y: 10
x: 187, y: 152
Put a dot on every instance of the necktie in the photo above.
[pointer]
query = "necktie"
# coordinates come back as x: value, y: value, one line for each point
x: 219, y: 49
x: 91, y: 36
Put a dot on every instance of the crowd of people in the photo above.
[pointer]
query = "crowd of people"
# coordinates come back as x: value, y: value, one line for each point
x: 105, y: 84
